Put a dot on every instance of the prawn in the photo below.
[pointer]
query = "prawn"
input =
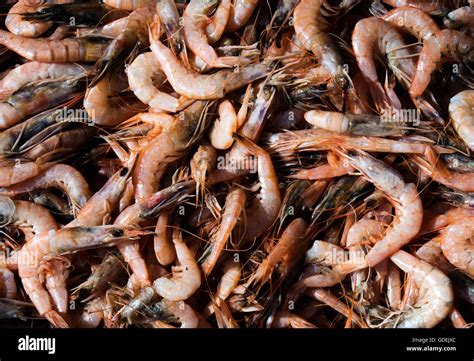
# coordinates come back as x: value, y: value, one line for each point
x: 235, y: 203
x: 291, y: 239
x: 412, y: 20
x: 456, y: 244
x: 34, y: 98
x: 288, y: 143
x: 197, y: 86
x: 169, y: 17
x: 308, y: 30
x: 444, y: 43
x: 105, y: 109
x: 34, y: 71
x: 31, y: 218
x: 126, y: 33
x: 61, y: 176
x: 17, y: 25
x: 202, y: 163
x: 354, y: 124
x: 194, y: 29
x: 264, y: 209
x: 66, y: 240
x: 435, y: 168
x: 240, y: 13
x: 97, y: 209
x: 435, y: 298
x: 229, y: 281
x: 69, y: 50
x: 169, y: 145
x: 461, y: 111
x: 186, y: 277
x: 376, y: 34
x: 57, y: 145
x: 143, y: 73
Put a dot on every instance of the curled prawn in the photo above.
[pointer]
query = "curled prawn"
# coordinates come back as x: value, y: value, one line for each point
x: 308, y: 28
x: 29, y: 217
x: 435, y: 168
x: 103, y: 105
x: 413, y: 20
x: 444, y: 43
x: 194, y: 28
x: 61, y: 176
x: 376, y: 34
x: 264, y: 209
x: 435, y: 299
x: 15, y: 23
x: 461, y: 111
x: 143, y: 74
x: 197, y: 86
x: 456, y: 244
x: 186, y: 277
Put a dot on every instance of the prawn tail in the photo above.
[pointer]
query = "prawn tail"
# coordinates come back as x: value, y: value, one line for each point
x: 56, y: 319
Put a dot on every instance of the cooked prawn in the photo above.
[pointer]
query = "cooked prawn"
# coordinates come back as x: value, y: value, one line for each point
x: 444, y: 43
x: 461, y: 111
x: 186, y: 277
x: 235, y: 202
x: 413, y: 20
x: 194, y: 28
x: 143, y: 74
x: 197, y: 86
x: 53, y: 243
x: 456, y: 244
x: 15, y: 23
x: 61, y: 176
x: 435, y: 299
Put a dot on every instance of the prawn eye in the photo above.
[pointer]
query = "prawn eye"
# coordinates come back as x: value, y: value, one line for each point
x: 117, y: 232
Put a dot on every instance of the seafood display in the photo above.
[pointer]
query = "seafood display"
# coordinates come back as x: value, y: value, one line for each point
x: 237, y: 164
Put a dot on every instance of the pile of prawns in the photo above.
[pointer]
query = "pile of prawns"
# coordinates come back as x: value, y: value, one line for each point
x: 237, y: 163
